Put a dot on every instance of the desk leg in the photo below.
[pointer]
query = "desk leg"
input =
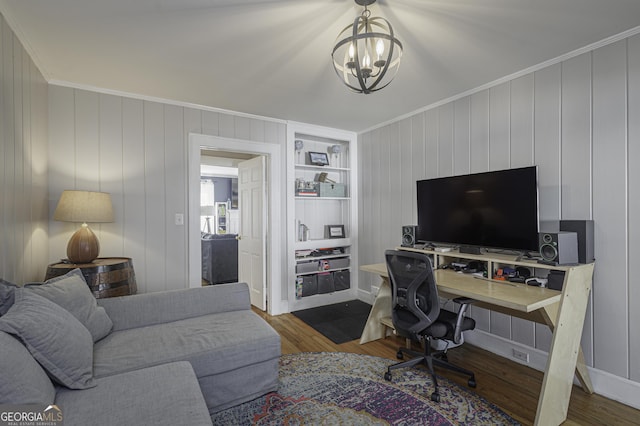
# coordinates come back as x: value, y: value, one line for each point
x: 381, y: 308
x: 566, y: 319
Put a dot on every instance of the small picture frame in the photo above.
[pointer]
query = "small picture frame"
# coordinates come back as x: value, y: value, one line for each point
x: 334, y: 231
x: 318, y: 158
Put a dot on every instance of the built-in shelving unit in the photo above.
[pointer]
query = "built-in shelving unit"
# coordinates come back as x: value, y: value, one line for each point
x: 320, y: 259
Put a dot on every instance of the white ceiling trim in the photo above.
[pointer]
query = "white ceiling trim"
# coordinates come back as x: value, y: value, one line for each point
x: 162, y: 100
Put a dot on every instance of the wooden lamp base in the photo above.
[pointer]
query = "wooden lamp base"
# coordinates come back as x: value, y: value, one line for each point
x: 83, y: 247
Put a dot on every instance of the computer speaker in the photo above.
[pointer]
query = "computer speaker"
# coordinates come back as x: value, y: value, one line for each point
x: 584, y: 229
x: 409, y: 235
x: 560, y: 248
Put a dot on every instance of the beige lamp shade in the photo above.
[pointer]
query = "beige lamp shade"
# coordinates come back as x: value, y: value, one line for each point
x: 207, y: 210
x: 83, y: 207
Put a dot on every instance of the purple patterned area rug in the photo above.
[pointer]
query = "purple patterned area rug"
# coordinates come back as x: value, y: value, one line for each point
x: 331, y: 388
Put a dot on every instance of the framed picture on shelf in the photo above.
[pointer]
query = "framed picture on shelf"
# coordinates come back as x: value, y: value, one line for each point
x: 318, y: 158
x: 334, y: 231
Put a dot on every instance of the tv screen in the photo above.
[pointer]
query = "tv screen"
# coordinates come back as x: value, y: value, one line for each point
x: 496, y: 209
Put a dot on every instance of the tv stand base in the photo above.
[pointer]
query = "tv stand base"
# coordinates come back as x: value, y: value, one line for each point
x: 470, y: 250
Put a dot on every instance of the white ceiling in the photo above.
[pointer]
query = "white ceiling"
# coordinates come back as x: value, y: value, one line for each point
x: 272, y: 57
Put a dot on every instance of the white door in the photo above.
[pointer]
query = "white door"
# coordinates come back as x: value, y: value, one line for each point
x: 253, y: 218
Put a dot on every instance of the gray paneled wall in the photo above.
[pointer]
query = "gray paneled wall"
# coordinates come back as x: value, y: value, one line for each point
x: 23, y: 163
x: 136, y: 150
x: 578, y: 120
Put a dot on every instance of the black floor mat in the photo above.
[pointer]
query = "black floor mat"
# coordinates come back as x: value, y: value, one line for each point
x: 340, y: 322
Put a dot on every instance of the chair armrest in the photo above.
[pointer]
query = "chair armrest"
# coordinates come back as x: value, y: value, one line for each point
x: 166, y: 306
x: 464, y: 304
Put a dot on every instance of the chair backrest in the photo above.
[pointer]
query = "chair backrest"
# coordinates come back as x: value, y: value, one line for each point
x: 415, y: 294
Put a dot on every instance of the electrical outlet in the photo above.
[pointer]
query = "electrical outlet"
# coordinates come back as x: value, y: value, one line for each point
x: 179, y: 219
x: 522, y: 356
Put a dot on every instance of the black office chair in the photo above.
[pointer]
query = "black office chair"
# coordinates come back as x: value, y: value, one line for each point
x: 417, y: 315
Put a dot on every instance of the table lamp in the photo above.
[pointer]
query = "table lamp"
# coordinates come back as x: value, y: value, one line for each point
x: 84, y: 206
x: 207, y: 211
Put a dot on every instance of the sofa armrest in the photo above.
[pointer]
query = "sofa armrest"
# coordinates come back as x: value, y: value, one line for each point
x: 166, y: 306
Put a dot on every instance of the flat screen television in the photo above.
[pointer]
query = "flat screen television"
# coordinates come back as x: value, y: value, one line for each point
x: 497, y: 209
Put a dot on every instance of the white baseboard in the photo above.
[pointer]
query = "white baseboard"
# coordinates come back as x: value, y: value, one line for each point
x: 367, y: 296
x: 606, y: 384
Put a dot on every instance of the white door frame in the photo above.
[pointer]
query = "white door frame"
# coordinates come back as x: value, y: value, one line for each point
x: 274, y: 224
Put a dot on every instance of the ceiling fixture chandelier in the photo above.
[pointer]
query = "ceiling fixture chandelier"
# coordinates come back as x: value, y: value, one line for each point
x: 367, y: 54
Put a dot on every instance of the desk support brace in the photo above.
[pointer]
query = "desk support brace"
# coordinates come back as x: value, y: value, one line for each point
x: 566, y: 319
x: 381, y: 308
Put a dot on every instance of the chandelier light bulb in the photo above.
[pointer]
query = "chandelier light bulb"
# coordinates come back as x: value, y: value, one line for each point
x: 379, y: 47
x: 366, y: 61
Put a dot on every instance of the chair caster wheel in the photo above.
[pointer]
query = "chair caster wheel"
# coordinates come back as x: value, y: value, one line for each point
x: 399, y: 355
x: 472, y: 383
x: 444, y: 357
x: 435, y: 397
x: 387, y: 376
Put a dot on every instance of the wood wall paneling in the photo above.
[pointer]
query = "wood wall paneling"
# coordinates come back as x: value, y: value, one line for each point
x: 406, y: 183
x: 3, y: 111
x: 576, y: 168
x: 417, y: 156
x: 445, y: 141
x: 18, y: 161
x: 176, y: 190
x: 133, y: 189
x: 391, y: 206
x: 480, y: 132
x: 432, y: 157
x: 462, y: 136
x: 8, y: 136
x: 521, y: 121
x: 634, y: 206
x: 610, y: 307
x: 23, y: 159
x: 499, y: 126
x: 155, y: 196
x: 110, y: 158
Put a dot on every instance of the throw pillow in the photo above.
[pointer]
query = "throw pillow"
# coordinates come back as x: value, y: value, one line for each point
x: 22, y: 380
x: 55, y: 338
x: 6, y: 295
x: 71, y: 292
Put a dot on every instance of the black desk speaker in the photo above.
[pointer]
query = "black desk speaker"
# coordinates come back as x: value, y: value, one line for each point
x: 409, y: 235
x: 560, y: 248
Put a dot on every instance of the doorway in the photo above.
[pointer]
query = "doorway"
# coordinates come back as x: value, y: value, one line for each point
x: 220, y: 215
x: 274, y: 228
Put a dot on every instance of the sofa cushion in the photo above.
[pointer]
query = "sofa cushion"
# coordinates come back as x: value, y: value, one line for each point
x: 54, y: 337
x: 163, y: 395
x: 212, y: 343
x: 22, y: 380
x: 141, y: 310
x: 6, y: 295
x: 72, y: 293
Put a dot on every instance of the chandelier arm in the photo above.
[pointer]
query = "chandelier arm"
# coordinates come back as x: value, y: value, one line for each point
x: 356, y: 57
x: 383, y: 70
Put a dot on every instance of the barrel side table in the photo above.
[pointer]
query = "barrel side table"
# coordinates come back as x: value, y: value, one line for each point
x: 105, y: 276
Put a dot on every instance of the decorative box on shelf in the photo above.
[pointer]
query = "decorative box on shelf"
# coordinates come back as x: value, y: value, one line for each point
x: 320, y: 189
x: 332, y: 189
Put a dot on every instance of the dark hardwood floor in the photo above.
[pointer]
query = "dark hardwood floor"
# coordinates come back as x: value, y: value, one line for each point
x: 509, y: 385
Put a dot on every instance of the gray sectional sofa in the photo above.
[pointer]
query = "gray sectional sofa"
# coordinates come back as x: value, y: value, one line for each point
x: 164, y: 358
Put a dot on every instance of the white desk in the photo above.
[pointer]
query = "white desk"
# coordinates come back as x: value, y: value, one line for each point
x: 563, y: 312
